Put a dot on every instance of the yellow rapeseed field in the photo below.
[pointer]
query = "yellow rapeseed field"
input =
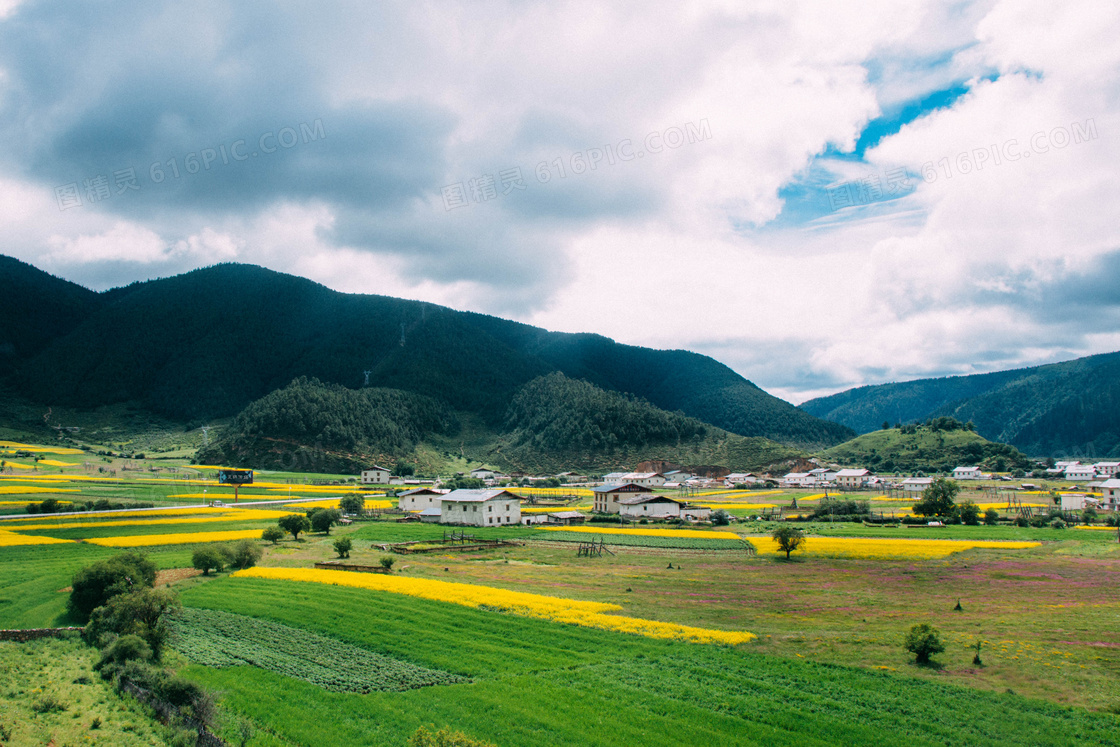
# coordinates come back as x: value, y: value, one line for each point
x: 1099, y: 529
x: 29, y: 489
x: 697, y: 534
x: 747, y: 506
x: 57, y: 463
x: 146, y: 540
x: 246, y: 515
x: 10, y: 539
x: 333, y: 503
x: 235, y: 514
x: 571, y: 611
x: 867, y: 547
x: 15, y: 446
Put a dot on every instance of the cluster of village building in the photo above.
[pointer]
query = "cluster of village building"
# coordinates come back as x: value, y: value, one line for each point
x: 636, y: 496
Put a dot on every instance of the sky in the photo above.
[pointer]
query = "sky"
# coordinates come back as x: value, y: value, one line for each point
x: 816, y: 195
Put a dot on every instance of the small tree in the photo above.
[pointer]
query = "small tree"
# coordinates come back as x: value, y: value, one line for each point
x: 720, y: 518
x: 991, y: 517
x: 293, y: 524
x: 444, y: 738
x: 352, y: 503
x: 938, y: 499
x: 207, y: 558
x: 244, y: 553
x: 142, y: 613
x: 923, y: 641
x: 387, y: 562
x: 273, y: 535
x: 969, y: 513
x: 1088, y: 514
x: 789, y: 538
x: 322, y: 520
x: 342, y: 546
x: 96, y: 584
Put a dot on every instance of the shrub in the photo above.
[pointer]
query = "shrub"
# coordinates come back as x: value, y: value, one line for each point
x: 841, y: 510
x: 923, y: 641
x: 244, y: 553
x: 141, y: 613
x: 1021, y: 521
x: 444, y: 738
x: 273, y: 535
x: 387, y: 562
x: 48, y: 703
x: 991, y: 516
x: 720, y: 518
x: 352, y: 503
x: 1057, y: 524
x: 96, y: 584
x: 969, y: 513
x: 129, y: 647
x: 207, y: 558
x: 1088, y: 514
x: 342, y: 546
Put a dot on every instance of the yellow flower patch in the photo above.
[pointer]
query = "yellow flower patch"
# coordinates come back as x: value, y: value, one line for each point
x: 867, y: 547
x: 146, y: 540
x: 9, y: 539
x: 747, y: 506
x: 556, y: 609
x: 15, y: 446
x: 247, y: 515
x: 29, y: 489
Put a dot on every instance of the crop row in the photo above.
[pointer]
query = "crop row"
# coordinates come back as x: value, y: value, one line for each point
x: 222, y: 639
x: 639, y: 540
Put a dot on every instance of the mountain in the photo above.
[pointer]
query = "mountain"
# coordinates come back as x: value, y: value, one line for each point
x: 1060, y: 409
x: 937, y: 446
x: 206, y: 343
x: 552, y: 423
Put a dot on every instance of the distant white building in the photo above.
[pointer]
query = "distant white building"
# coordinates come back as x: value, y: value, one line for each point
x: 613, y: 477
x: 967, y: 473
x: 1107, y: 469
x: 1080, y: 472
x: 739, y: 478
x: 375, y: 475
x: 1077, y: 502
x: 652, y: 479
x: 852, y: 478
x: 482, y: 473
x: 480, y: 508
x: 661, y: 507
x: 915, y: 486
x: 798, y: 480
x: 677, y: 476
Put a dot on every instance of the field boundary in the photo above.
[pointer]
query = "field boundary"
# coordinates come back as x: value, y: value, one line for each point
x: 34, y: 634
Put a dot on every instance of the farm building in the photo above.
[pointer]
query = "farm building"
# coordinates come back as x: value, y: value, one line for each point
x: 739, y: 478
x: 654, y: 479
x: 483, y: 474
x: 1107, y: 469
x: 1110, y: 495
x: 375, y: 475
x: 677, y: 476
x: 798, y: 480
x: 430, y: 515
x: 661, y: 507
x: 1078, y: 502
x: 967, y: 473
x: 420, y: 499
x: 480, y: 508
x: 914, y: 486
x: 613, y: 477
x: 1080, y: 472
x: 852, y: 478
x: 607, y: 496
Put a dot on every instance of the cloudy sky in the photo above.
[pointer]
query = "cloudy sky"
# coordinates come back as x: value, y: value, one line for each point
x: 817, y: 195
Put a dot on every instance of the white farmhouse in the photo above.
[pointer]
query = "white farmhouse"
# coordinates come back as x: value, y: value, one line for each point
x: 613, y: 477
x: 608, y: 497
x: 739, y: 478
x: 677, y: 476
x: 375, y: 475
x: 852, y: 478
x: 798, y: 480
x: 1107, y: 469
x: 1080, y: 472
x: 1110, y: 495
x: 967, y: 473
x: 661, y: 507
x: 483, y: 474
x: 480, y: 508
x: 420, y: 499
x: 915, y: 486
x: 652, y: 479
x: 1077, y: 502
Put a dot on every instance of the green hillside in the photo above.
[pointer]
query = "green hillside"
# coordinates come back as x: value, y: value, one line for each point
x: 205, y: 344
x: 938, y: 446
x: 1062, y: 409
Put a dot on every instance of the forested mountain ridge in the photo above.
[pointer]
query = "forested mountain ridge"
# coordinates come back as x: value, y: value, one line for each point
x: 553, y: 423
x: 1060, y: 409
x: 207, y: 343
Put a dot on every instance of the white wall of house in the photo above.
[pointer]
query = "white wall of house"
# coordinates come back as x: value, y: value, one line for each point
x: 967, y: 473
x: 651, y: 508
x: 1080, y: 472
x: 498, y: 511
x: 375, y: 476
x: 419, y: 502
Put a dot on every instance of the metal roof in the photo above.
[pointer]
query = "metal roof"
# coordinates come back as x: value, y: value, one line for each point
x: 640, y: 499
x: 613, y: 486
x: 464, y: 495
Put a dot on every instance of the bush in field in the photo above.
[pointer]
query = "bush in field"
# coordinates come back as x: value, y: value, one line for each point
x: 322, y: 520
x: 923, y: 641
x: 1088, y: 514
x: 991, y: 517
x: 444, y: 738
x: 129, y: 647
x: 789, y: 538
x: 1057, y: 523
x: 244, y: 553
x: 720, y: 518
x: 94, y: 585
x: 273, y: 535
x: 342, y: 546
x: 843, y: 510
x: 938, y: 499
x: 141, y: 613
x: 206, y: 559
x: 352, y: 503
x: 293, y: 524
x: 969, y: 513
x: 387, y: 562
